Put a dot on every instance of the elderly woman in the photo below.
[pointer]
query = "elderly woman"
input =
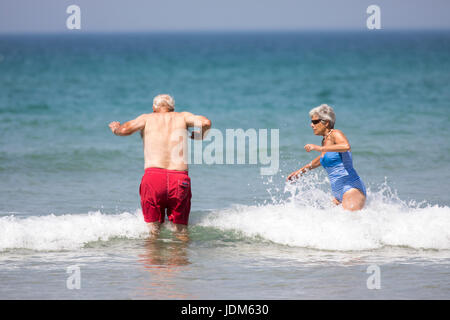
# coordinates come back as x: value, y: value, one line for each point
x: 336, y: 158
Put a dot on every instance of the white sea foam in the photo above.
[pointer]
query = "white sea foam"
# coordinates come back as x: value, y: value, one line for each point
x: 309, y: 219
x: 335, y: 229
x: 305, y: 219
x: 69, y: 231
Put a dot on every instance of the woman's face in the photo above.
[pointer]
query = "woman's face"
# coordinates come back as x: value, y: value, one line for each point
x: 318, y: 128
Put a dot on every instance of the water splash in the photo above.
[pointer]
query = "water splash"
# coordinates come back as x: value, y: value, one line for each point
x: 69, y: 231
x: 304, y: 216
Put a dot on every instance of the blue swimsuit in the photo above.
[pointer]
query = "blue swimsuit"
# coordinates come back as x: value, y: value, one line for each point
x: 343, y: 176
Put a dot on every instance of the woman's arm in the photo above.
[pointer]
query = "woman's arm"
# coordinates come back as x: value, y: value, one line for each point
x: 340, y: 144
x: 312, y: 165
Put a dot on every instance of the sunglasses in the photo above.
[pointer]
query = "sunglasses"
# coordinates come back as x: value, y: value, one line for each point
x: 316, y: 121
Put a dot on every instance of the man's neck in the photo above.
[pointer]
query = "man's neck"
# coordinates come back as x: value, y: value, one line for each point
x: 162, y: 110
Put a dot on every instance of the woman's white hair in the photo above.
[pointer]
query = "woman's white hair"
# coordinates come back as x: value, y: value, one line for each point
x: 325, y: 113
x: 164, y: 101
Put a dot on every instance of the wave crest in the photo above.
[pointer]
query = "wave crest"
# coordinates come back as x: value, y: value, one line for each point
x: 307, y: 218
x: 69, y: 231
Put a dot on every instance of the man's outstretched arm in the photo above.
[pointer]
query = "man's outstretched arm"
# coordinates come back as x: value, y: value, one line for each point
x: 198, y: 122
x: 129, y: 127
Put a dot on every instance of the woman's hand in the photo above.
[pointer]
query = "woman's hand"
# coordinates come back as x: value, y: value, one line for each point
x: 336, y: 201
x: 294, y: 175
x: 312, y: 147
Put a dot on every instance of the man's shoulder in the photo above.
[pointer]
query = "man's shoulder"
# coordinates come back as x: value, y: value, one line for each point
x: 144, y: 116
x: 173, y: 114
x: 185, y: 115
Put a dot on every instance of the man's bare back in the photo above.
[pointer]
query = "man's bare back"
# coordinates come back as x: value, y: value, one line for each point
x: 164, y: 134
x: 164, y: 138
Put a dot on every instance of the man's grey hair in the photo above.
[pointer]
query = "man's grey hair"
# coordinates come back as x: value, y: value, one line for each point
x: 164, y: 101
x: 325, y: 113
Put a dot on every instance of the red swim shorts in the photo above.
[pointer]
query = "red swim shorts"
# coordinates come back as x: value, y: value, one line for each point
x: 162, y: 190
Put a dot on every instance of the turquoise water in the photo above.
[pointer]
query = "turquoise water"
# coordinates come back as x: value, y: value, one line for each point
x: 69, y: 188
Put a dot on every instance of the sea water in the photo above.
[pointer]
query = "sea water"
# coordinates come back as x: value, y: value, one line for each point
x: 69, y: 187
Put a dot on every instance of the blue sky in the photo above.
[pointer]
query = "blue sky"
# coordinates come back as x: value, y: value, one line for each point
x: 225, y: 15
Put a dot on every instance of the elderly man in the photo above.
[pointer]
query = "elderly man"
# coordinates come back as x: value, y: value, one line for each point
x: 166, y: 184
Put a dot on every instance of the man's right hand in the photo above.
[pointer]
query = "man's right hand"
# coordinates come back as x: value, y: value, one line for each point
x: 114, y: 125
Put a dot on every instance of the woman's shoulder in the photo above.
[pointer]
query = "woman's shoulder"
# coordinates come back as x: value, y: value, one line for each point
x: 337, y: 133
x: 339, y: 137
